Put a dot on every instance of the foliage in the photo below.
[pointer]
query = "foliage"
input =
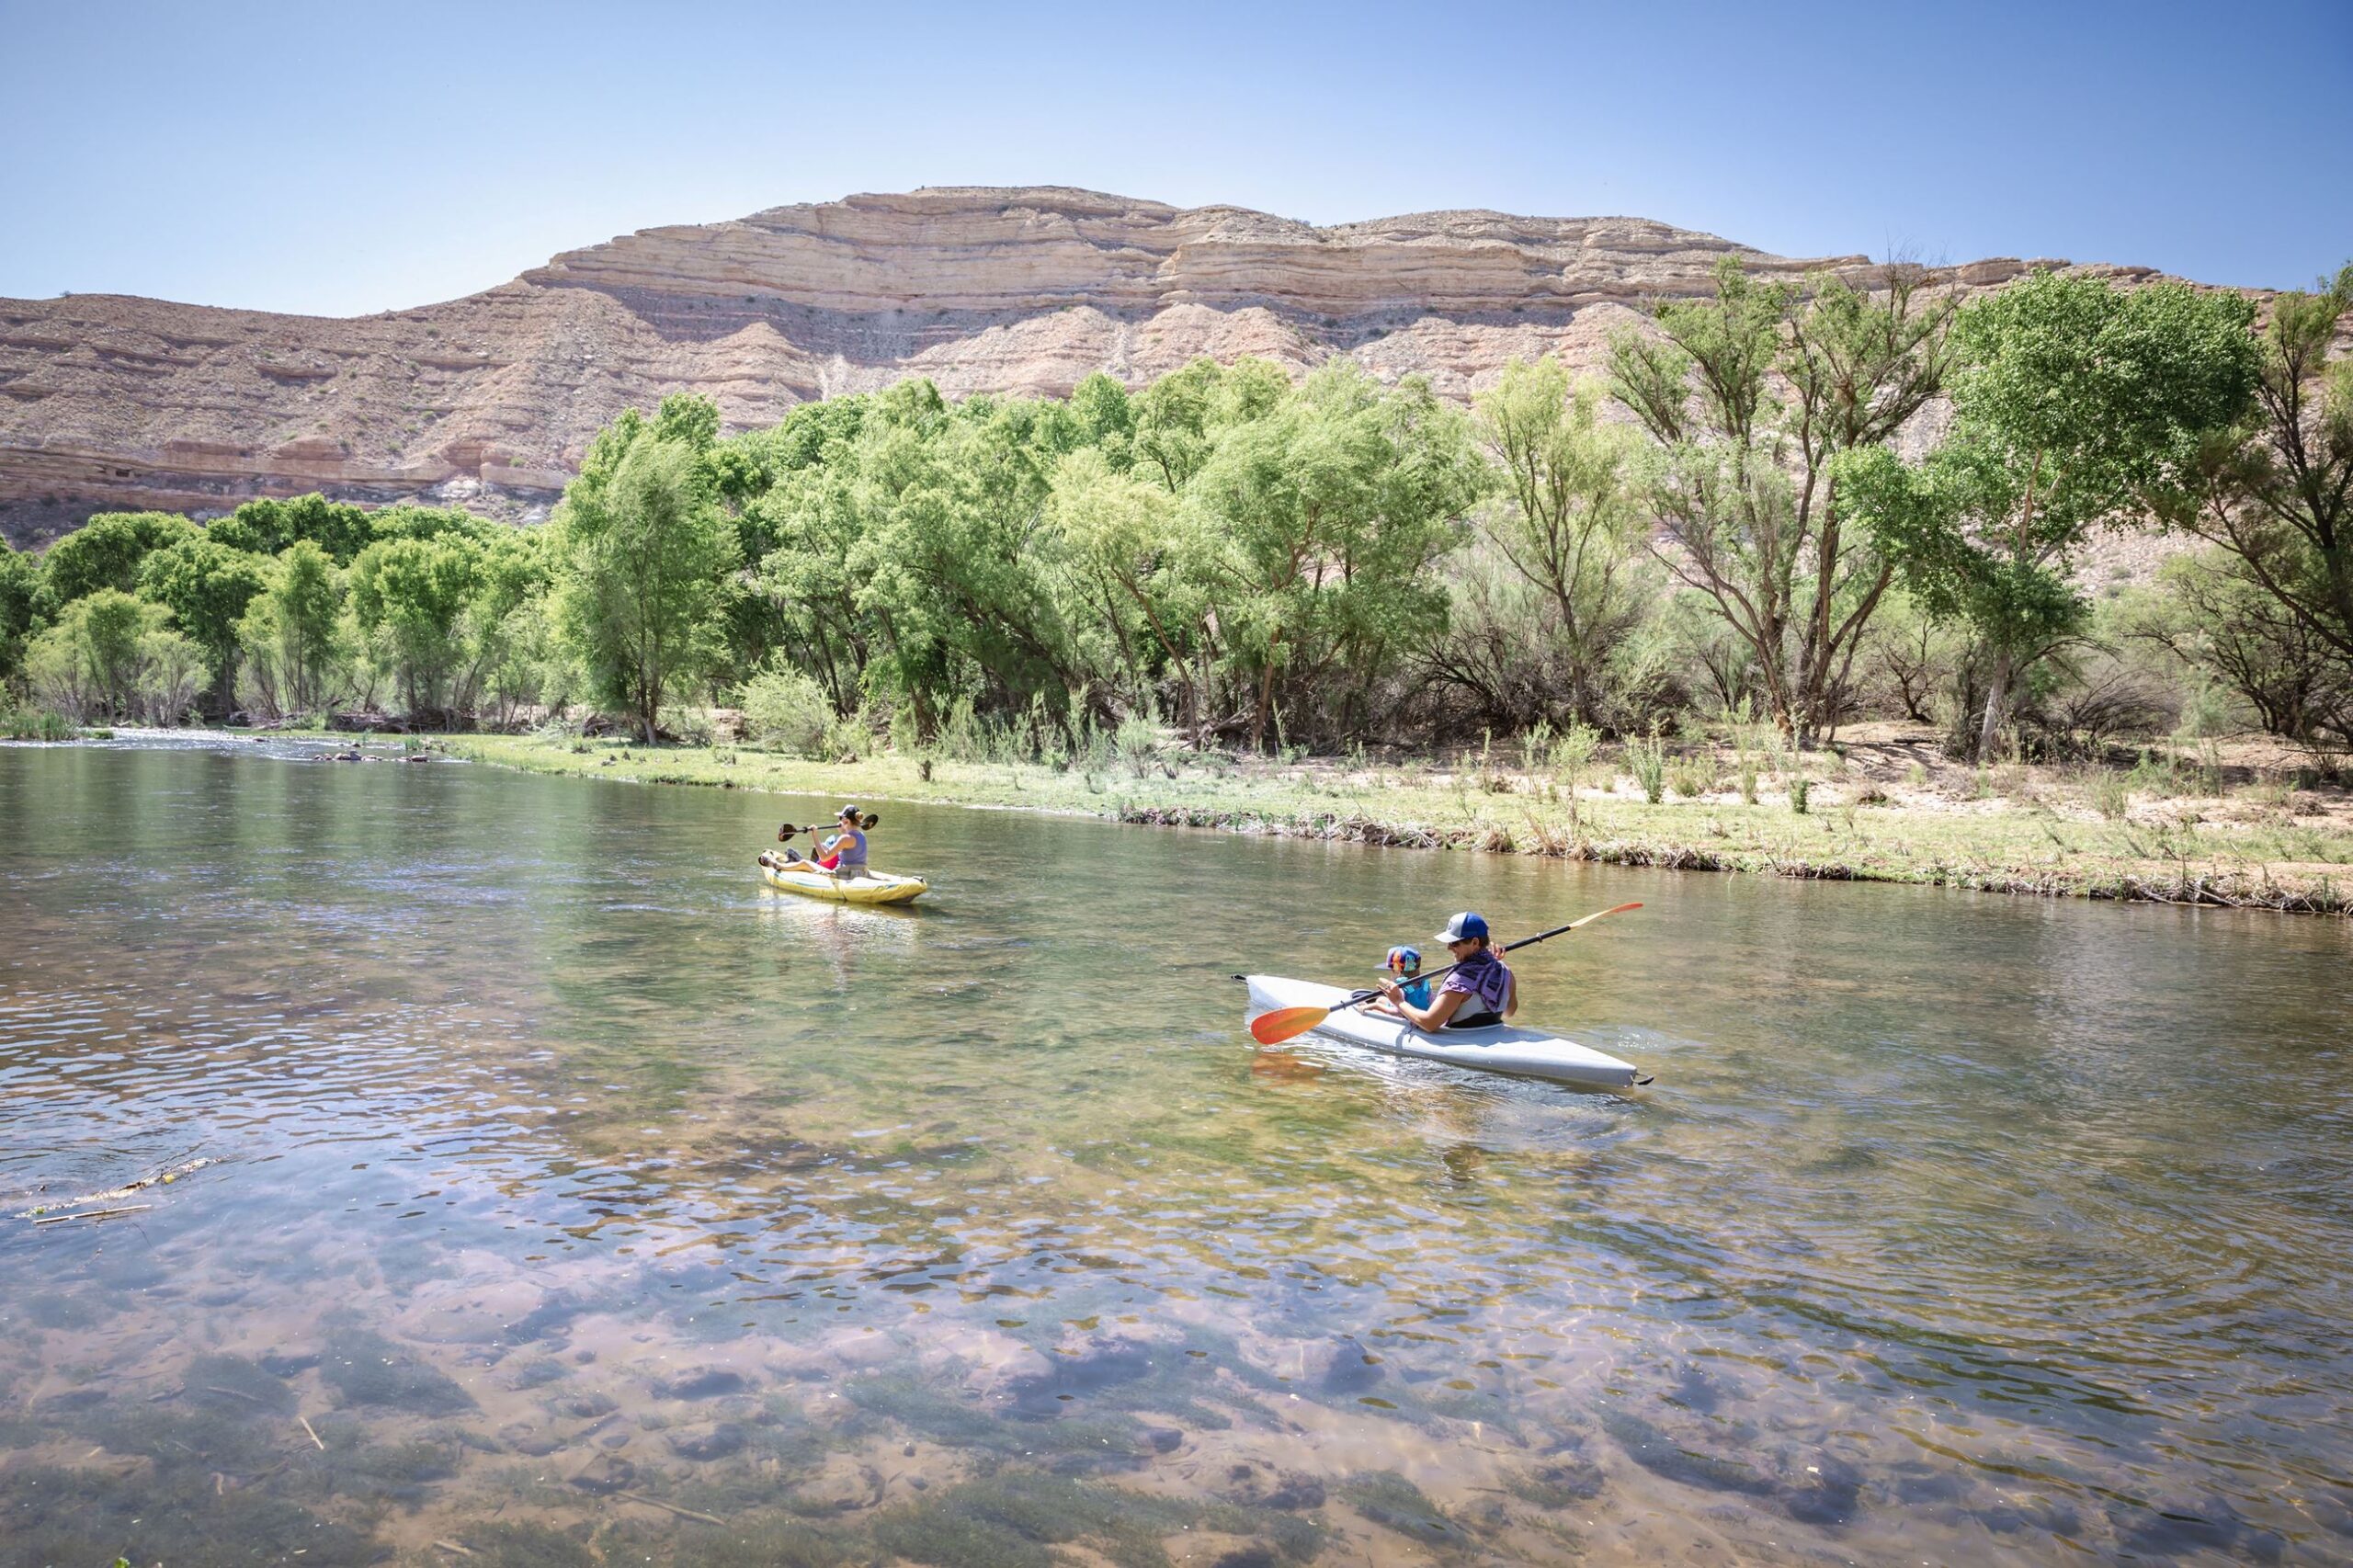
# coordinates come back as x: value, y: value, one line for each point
x: 786, y: 711
x: 1566, y: 522
x: 2275, y: 497
x: 114, y: 656
x: 1328, y: 512
x: 207, y: 586
x: 2214, y: 616
x: 642, y: 555
x: 1752, y: 397
x: 296, y: 655
x: 2081, y: 406
x: 20, y: 576
x: 105, y: 552
x: 1646, y: 756
x: 409, y: 599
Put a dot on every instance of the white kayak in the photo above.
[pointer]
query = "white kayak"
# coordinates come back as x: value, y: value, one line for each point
x: 1499, y: 1048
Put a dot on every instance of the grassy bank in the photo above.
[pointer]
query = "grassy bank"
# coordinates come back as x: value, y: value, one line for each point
x: 1888, y: 809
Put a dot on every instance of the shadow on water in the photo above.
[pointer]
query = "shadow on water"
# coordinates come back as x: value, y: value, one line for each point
x: 569, y: 1198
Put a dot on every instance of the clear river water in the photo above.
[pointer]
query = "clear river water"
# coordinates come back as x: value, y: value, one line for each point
x: 546, y: 1191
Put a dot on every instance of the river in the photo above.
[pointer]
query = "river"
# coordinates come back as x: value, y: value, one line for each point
x: 549, y: 1192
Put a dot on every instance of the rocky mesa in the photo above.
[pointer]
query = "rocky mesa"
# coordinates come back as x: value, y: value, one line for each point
x: 108, y: 401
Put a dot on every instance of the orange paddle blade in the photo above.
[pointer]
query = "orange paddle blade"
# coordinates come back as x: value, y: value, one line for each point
x: 1283, y: 1023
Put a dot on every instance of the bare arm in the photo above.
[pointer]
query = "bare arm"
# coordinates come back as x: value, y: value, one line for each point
x: 1432, y: 1018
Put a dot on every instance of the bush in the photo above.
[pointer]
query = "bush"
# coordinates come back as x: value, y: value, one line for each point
x: 2110, y: 791
x: 688, y: 726
x: 1692, y: 777
x: 786, y: 711
x: 35, y: 724
x: 1136, y: 742
x: 1800, y: 791
x: 847, y: 738
x: 1647, y: 759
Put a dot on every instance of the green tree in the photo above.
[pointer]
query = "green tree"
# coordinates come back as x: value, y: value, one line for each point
x: 1752, y: 396
x: 409, y: 599
x: 105, y: 552
x: 1107, y: 418
x: 1330, y: 506
x: 641, y: 554
x: 268, y: 527
x: 1131, y: 551
x: 295, y: 652
x: 2081, y: 406
x: 19, y: 590
x: 2275, y: 495
x: 114, y: 655
x: 207, y: 586
x: 1566, y: 523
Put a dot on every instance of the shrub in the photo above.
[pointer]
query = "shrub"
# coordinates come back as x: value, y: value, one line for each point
x: 35, y: 724
x: 1136, y: 744
x: 847, y: 738
x: 787, y: 711
x: 1692, y: 777
x: 689, y: 726
x: 1647, y: 759
x: 2110, y: 791
x: 1800, y: 790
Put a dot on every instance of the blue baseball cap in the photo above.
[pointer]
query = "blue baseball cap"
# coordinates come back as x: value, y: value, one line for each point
x: 1463, y: 927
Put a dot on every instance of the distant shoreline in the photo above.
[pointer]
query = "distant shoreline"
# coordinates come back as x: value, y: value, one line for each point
x: 2283, y: 853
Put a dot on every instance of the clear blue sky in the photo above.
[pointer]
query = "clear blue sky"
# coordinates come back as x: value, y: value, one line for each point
x: 350, y: 157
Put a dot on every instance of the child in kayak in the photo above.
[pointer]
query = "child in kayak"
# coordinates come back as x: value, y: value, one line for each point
x: 1480, y: 992
x: 1405, y: 964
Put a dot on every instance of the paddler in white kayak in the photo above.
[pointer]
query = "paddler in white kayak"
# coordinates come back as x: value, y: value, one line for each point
x: 1480, y: 991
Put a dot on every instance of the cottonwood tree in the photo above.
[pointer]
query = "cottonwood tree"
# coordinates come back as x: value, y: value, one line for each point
x: 208, y: 587
x: 2275, y: 497
x: 408, y: 599
x: 1132, y: 552
x: 644, y: 556
x: 2079, y: 406
x: 1565, y: 520
x: 291, y: 634
x: 105, y: 552
x: 19, y: 586
x: 1751, y: 396
x: 1328, y: 510
x: 114, y: 654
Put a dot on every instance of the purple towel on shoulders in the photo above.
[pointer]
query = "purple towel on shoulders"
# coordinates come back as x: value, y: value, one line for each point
x: 1484, y: 980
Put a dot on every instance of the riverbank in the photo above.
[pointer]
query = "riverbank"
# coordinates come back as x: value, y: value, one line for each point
x: 1886, y: 808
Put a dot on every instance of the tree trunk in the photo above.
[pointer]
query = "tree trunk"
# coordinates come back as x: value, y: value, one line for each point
x: 1997, y: 703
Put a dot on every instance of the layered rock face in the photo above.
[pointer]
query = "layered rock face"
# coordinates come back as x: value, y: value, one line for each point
x: 489, y: 401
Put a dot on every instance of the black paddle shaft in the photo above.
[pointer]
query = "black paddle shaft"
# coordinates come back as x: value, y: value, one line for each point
x: 1524, y: 942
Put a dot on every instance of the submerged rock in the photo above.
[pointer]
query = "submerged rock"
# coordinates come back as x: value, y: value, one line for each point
x: 714, y: 1441
x: 605, y: 1474
x: 702, y: 1382
x: 1352, y: 1370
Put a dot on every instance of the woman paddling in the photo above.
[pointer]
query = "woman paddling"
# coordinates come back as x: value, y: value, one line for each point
x: 1479, y: 993
x: 845, y: 853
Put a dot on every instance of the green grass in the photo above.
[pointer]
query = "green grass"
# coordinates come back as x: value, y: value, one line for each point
x: 1989, y: 844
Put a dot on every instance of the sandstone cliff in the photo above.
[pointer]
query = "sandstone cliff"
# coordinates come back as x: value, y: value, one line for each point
x: 108, y: 402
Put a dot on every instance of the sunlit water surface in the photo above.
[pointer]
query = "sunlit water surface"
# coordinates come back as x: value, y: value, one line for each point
x: 571, y: 1198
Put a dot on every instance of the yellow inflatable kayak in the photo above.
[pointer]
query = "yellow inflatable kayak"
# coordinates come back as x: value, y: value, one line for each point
x: 871, y: 887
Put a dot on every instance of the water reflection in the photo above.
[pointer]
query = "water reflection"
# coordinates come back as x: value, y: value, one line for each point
x: 580, y: 1200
